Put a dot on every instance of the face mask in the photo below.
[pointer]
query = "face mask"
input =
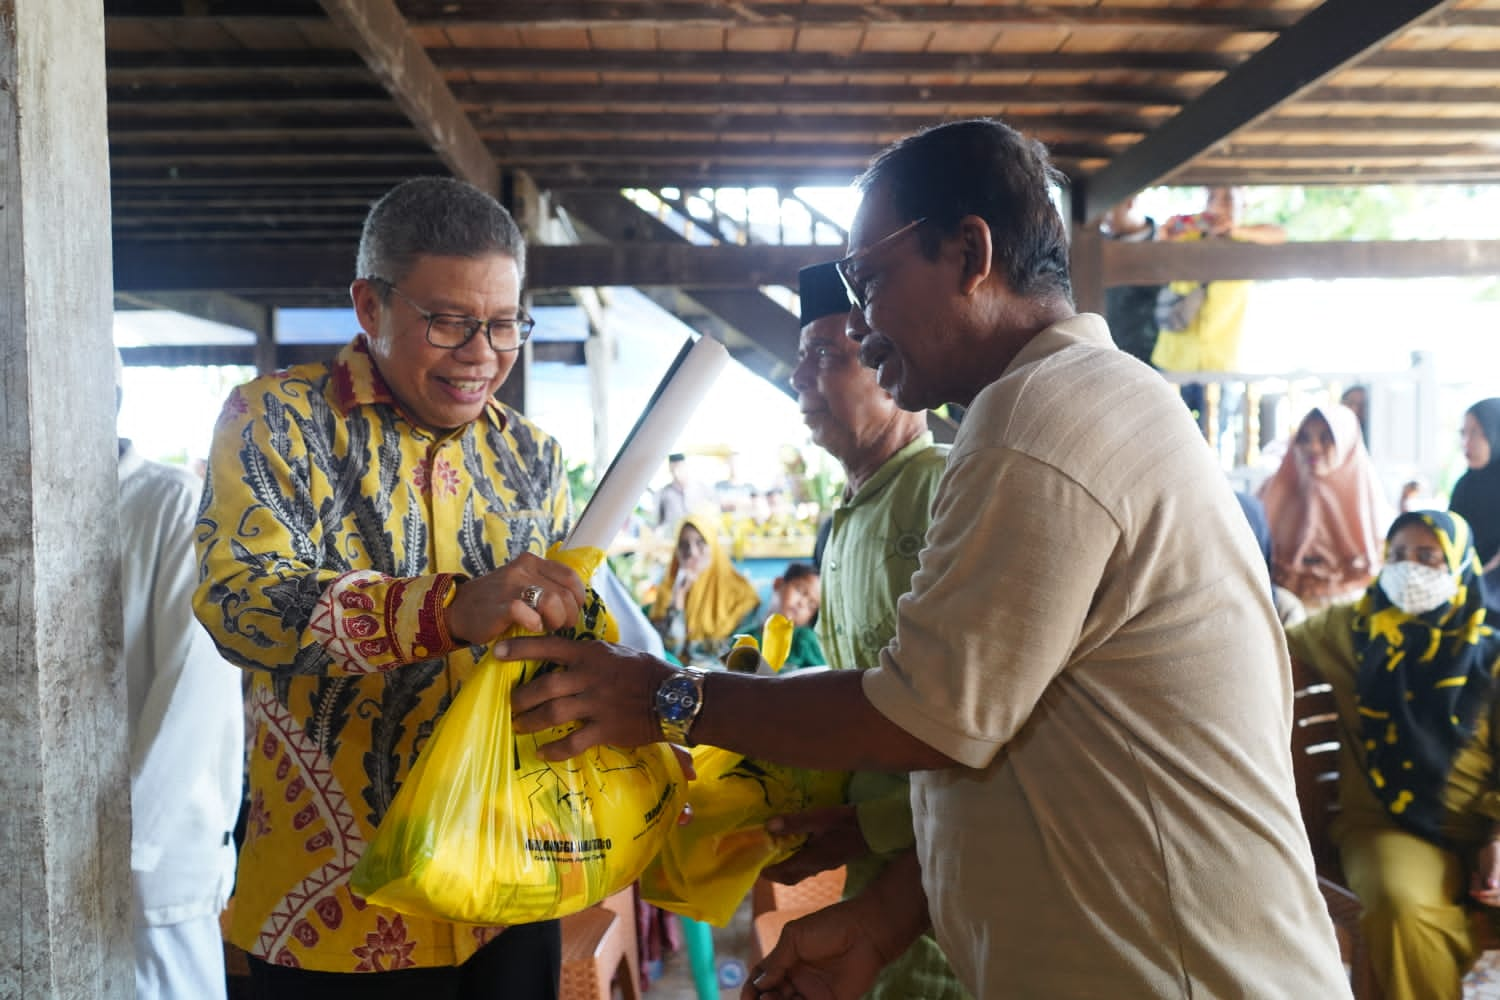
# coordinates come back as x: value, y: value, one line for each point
x: 1417, y: 589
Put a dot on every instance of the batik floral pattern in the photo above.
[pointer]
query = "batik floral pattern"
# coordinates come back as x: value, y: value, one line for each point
x: 332, y: 534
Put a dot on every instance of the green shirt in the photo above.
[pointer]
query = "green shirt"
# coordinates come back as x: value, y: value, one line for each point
x: 867, y: 565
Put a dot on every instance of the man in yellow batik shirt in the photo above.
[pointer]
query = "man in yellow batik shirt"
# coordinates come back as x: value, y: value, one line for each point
x: 368, y: 526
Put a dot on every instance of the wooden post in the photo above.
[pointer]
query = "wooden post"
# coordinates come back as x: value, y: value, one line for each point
x: 265, y: 344
x: 1086, y: 265
x: 598, y: 353
x: 513, y: 392
x: 65, y: 926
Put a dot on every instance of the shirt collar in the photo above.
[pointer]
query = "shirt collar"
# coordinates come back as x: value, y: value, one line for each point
x: 1088, y: 328
x: 889, y: 469
x: 357, y: 382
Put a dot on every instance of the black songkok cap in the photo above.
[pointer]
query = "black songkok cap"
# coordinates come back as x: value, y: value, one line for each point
x: 822, y: 292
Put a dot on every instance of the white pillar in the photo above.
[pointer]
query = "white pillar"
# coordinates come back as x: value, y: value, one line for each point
x: 65, y: 835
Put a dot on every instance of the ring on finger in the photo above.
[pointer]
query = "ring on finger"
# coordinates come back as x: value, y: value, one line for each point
x: 531, y: 594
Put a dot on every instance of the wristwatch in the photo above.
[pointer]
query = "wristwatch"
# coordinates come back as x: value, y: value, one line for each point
x: 679, y: 699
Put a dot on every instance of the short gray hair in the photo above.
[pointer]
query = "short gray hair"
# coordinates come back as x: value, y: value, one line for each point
x: 434, y: 216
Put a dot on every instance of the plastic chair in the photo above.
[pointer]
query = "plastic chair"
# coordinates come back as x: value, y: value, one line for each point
x: 773, y: 905
x: 1315, y: 766
x: 598, y: 949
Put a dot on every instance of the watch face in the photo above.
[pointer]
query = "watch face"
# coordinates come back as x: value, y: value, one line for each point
x: 678, y: 699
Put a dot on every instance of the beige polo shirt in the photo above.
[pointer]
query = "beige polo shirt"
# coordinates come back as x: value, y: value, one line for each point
x: 1091, y: 634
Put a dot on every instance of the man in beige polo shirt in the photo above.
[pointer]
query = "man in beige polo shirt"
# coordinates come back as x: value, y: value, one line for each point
x: 1088, y: 676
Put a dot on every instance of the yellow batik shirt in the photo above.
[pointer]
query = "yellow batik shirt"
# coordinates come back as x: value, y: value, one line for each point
x: 332, y: 534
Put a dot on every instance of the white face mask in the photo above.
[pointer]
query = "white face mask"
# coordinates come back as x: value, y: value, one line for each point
x: 1417, y: 589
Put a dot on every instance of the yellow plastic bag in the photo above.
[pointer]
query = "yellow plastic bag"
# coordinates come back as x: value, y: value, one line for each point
x: 706, y: 866
x: 483, y: 831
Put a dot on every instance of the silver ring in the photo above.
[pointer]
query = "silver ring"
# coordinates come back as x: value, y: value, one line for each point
x: 532, y: 595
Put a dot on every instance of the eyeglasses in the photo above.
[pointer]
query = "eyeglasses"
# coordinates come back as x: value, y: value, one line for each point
x: 450, y: 331
x: 855, y: 286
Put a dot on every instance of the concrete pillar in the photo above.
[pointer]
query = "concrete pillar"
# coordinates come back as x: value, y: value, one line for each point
x: 65, y: 836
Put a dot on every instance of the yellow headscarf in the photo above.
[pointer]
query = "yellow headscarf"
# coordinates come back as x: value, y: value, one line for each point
x: 720, y: 597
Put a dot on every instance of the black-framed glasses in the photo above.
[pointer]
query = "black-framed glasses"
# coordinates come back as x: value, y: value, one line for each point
x: 450, y: 331
x: 854, y: 285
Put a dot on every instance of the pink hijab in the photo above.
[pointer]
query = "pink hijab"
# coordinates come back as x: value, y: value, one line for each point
x: 1328, y: 531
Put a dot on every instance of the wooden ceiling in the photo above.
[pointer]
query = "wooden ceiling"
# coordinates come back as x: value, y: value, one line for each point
x: 247, y: 125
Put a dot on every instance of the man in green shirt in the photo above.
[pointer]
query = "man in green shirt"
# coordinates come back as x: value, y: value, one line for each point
x: 893, y: 468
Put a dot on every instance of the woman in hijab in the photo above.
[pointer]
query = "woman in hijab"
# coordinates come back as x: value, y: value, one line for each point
x: 1326, y: 511
x: 1412, y: 668
x: 703, y: 600
x: 1476, y: 495
x: 1288, y: 608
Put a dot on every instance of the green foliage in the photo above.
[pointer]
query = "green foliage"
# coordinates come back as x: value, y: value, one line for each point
x: 1328, y: 213
x: 581, y: 484
x: 823, y: 481
x: 1371, y: 212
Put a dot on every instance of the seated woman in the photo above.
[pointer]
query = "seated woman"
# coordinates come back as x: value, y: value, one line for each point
x: 1476, y: 495
x: 703, y: 600
x: 1411, y: 665
x: 1326, y: 511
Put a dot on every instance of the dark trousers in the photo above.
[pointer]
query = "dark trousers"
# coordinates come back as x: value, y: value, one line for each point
x: 521, y: 964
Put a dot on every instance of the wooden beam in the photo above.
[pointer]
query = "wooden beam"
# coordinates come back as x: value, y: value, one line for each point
x: 232, y: 175
x: 567, y: 352
x: 593, y: 176
x: 244, y: 199
x: 216, y: 307
x: 378, y: 32
x: 1343, y: 152
x: 1444, y: 60
x: 857, y: 122
x: 1330, y: 36
x: 854, y: 155
x: 294, y: 157
x: 346, y: 235
x: 981, y: 96
x: 126, y: 120
x: 256, y: 10
x: 1383, y: 94
x: 1331, y: 174
x: 1154, y: 263
x: 158, y: 217
x: 337, y: 97
x: 834, y: 64
x: 235, y: 61
x: 583, y: 14
x: 252, y: 270
x: 1378, y: 124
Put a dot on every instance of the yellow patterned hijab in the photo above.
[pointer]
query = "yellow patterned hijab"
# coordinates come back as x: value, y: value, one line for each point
x: 718, y: 600
x: 1422, y: 681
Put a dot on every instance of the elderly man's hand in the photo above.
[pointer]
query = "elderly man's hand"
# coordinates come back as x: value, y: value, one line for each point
x: 609, y: 690
x: 826, y: 955
x: 833, y: 839
x: 486, y: 606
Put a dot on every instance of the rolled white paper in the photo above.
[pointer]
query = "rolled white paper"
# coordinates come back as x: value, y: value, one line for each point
x: 681, y: 390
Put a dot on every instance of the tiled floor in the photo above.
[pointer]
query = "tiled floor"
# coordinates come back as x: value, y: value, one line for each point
x: 1483, y: 981
x: 731, y: 945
